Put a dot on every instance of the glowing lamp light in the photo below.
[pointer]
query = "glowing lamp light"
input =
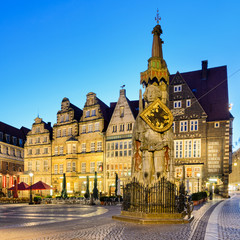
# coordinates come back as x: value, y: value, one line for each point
x: 212, y: 179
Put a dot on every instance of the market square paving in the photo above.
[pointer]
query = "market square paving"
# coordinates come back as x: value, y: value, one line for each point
x: 60, y: 221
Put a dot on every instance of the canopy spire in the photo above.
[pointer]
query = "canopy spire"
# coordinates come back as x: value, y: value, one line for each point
x: 157, y: 18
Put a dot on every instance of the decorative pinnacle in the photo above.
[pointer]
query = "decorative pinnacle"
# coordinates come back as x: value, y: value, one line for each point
x: 157, y: 18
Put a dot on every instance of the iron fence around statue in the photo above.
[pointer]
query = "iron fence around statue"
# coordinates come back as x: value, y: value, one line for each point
x: 157, y: 198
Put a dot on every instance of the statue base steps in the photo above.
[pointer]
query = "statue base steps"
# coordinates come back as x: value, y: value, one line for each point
x: 153, y: 218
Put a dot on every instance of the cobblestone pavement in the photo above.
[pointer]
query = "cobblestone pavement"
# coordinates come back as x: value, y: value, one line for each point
x: 229, y: 219
x: 91, y: 226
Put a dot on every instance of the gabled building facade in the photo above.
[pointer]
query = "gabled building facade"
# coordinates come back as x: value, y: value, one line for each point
x: 11, y: 155
x: 92, y: 128
x: 202, y: 128
x: 119, y: 141
x: 38, y: 153
x: 64, y: 147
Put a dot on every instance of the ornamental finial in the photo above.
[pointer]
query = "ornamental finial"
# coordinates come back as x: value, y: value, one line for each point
x: 157, y: 18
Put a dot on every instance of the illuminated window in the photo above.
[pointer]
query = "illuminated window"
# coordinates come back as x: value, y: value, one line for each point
x: 37, y: 166
x: 68, y: 166
x: 61, y: 150
x: 92, y: 167
x: 188, y: 103
x: 178, y: 172
x: 96, y: 126
x: 45, y: 166
x: 178, y: 148
x: 56, y: 150
x: 99, y: 146
x: 90, y: 128
x: 74, y: 148
x: 92, y: 147
x: 83, y: 128
x: 177, y: 88
x: 177, y: 104
x: 83, y: 147
x: 193, y: 125
x: 59, y: 133
x: 73, y: 166
x: 64, y: 132
x: 197, y: 172
x: 183, y: 126
x: 83, y: 168
x: 55, y: 169
x: 29, y: 166
x: 61, y: 168
x: 189, y: 172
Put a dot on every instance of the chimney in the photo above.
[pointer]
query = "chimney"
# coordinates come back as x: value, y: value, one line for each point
x: 123, y: 92
x: 204, y: 69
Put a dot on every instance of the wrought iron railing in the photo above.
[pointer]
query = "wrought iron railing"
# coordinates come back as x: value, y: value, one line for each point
x: 161, y: 197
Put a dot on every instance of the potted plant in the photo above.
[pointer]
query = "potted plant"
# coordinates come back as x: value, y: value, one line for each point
x: 37, y: 199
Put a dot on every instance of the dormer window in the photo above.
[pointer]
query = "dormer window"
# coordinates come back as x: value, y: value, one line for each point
x: 216, y: 124
x: 7, y: 138
x: 14, y: 141
x: 122, y: 111
x: 67, y: 118
x: 1, y: 136
x: 37, y: 129
x: 177, y: 88
x: 87, y: 113
x: 94, y: 112
x: 62, y: 119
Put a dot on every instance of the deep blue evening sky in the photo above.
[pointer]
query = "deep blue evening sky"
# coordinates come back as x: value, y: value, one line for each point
x: 55, y: 49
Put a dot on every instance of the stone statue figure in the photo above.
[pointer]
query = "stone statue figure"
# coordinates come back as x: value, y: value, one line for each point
x: 151, y: 149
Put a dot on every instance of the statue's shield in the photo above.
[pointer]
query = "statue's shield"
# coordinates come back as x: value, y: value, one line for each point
x: 158, y: 116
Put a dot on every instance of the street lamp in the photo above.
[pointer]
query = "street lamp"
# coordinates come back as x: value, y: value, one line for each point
x: 30, y: 200
x: 198, y: 175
